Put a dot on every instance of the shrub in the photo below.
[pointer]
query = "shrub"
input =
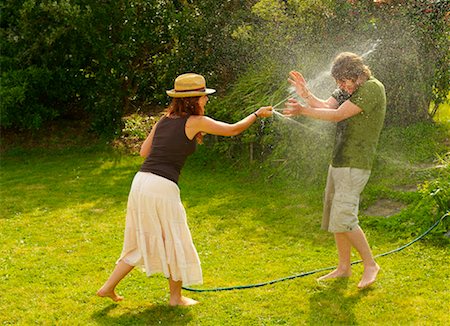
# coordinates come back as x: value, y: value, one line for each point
x: 24, y: 95
x: 135, y: 131
x: 436, y: 192
x: 108, y: 58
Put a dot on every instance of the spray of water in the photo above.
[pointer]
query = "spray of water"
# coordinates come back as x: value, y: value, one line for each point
x: 372, y: 49
x: 320, y: 82
x: 316, y: 82
x: 297, y: 122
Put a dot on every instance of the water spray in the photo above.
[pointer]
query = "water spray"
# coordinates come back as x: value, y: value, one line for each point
x: 313, y: 84
x: 372, y: 49
x: 275, y: 111
x: 297, y: 122
x: 291, y: 93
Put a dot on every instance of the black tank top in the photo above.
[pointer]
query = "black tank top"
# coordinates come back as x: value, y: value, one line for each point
x: 170, y: 148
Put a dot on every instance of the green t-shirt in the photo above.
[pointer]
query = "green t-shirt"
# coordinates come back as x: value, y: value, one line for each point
x: 357, y: 137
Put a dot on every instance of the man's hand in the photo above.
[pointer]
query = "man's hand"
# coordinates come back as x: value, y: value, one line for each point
x: 296, y: 79
x: 293, y: 108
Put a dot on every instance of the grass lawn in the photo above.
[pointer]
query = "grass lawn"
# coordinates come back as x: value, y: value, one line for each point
x: 61, y: 230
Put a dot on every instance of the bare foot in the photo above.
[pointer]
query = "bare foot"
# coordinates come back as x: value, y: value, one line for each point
x: 110, y: 294
x: 336, y: 274
x: 182, y: 301
x: 369, y: 276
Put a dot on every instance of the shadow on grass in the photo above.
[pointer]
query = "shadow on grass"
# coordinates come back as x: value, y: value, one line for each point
x: 331, y: 306
x: 152, y: 315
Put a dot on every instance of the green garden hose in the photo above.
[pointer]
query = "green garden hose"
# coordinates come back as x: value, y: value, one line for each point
x: 241, y: 287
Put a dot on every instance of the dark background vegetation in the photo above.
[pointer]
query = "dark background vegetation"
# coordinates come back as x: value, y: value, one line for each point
x: 100, y: 60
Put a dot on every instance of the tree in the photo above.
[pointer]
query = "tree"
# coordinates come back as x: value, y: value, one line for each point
x: 106, y: 58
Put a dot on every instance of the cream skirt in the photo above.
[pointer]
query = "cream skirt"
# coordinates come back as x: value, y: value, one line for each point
x: 157, y: 237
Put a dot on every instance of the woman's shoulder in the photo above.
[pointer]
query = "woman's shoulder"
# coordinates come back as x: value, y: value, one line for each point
x: 198, y: 121
x: 196, y: 117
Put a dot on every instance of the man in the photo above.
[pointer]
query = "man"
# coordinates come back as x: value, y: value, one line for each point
x: 358, y: 106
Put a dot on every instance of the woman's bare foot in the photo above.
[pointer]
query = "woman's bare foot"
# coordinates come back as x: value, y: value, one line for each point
x: 369, y: 276
x: 110, y: 294
x: 182, y: 301
x: 336, y: 274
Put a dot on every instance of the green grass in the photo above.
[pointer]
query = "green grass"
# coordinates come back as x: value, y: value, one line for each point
x: 61, y: 229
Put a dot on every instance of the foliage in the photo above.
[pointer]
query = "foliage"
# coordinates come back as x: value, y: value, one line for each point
x: 436, y: 192
x: 418, y: 54
x: 104, y: 60
x: 109, y: 59
x: 36, y: 42
x: 410, y: 38
x: 442, y: 113
x: 135, y: 131
x: 19, y: 91
x: 431, y: 22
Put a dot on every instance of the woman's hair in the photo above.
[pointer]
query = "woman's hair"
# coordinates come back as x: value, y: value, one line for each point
x: 350, y: 66
x: 182, y: 106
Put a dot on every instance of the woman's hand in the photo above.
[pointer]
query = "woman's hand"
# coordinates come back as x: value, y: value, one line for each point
x: 293, y: 108
x: 296, y: 79
x: 264, y: 112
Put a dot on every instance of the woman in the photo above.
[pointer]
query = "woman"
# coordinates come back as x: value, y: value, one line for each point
x: 157, y: 236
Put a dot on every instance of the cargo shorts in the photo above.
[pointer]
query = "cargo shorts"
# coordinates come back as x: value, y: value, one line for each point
x: 341, y: 200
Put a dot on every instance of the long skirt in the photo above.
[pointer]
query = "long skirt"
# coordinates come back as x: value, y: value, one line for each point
x: 157, y: 237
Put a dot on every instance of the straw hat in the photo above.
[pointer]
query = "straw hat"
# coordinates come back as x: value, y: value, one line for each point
x: 189, y: 85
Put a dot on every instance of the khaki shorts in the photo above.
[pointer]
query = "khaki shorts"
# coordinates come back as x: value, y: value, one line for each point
x: 341, y: 202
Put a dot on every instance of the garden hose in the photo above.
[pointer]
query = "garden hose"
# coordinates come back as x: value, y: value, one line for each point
x: 242, y: 287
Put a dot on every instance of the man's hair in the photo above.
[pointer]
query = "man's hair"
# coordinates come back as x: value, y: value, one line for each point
x: 348, y: 65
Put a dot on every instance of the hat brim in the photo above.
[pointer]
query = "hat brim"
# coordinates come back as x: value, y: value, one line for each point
x: 207, y: 91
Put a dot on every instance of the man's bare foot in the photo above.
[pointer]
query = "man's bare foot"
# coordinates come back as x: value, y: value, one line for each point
x: 369, y: 276
x: 182, y: 301
x: 336, y: 274
x: 110, y: 294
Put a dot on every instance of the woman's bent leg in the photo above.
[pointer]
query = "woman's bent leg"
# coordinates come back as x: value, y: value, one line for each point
x: 108, y: 289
